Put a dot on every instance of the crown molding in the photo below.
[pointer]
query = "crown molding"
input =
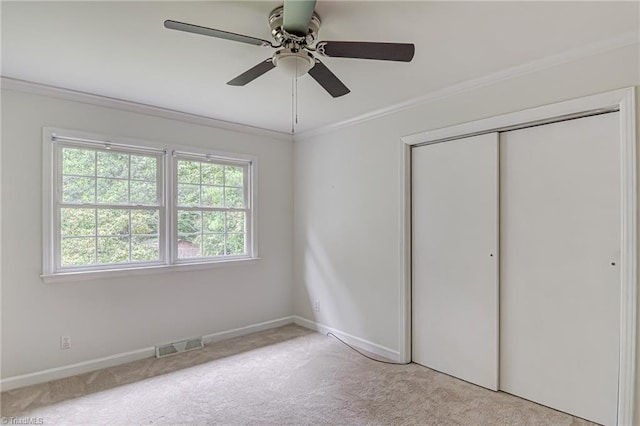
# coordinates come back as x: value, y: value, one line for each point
x: 24, y: 86
x: 593, y: 49
x: 603, y: 46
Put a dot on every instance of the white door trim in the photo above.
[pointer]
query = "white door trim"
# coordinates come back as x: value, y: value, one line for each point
x: 622, y: 100
x: 404, y: 252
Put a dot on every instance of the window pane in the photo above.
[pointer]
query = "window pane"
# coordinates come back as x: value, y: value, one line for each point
x: 78, y: 190
x: 235, y: 222
x: 234, y: 197
x: 77, y: 251
x: 234, y: 176
x: 188, y: 171
x: 143, y: 193
x: 78, y: 162
x: 77, y: 222
x: 113, y: 165
x: 213, y: 245
x: 188, y: 195
x: 145, y: 222
x: 213, y: 196
x: 235, y: 244
x: 189, y: 245
x: 113, y: 222
x: 113, y: 249
x: 212, y: 174
x: 144, y: 248
x: 213, y: 221
x: 102, y: 234
x: 123, y: 233
x: 189, y: 222
x: 144, y: 168
x: 113, y: 191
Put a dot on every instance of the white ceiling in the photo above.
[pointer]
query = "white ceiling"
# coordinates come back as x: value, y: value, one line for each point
x: 121, y: 50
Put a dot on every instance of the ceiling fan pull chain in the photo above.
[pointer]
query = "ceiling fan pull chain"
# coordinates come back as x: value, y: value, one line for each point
x: 292, y: 108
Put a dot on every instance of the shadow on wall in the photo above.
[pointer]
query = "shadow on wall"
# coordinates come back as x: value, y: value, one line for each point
x: 330, y: 301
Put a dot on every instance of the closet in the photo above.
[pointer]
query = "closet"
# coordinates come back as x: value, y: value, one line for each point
x: 515, y: 262
x: 455, y: 247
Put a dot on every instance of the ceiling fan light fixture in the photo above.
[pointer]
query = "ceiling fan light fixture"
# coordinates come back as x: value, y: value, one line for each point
x: 293, y: 64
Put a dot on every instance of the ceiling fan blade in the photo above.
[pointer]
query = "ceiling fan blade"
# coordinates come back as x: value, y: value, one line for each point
x: 196, y: 29
x: 328, y: 80
x: 255, y: 72
x: 297, y: 15
x: 402, y: 52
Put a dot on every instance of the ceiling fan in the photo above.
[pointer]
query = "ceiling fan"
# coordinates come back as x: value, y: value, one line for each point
x: 294, y: 27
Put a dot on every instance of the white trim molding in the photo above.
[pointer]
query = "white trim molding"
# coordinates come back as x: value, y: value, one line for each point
x: 358, y: 342
x: 404, y: 252
x: 623, y: 101
x: 24, y: 86
x: 613, y: 43
x: 629, y: 260
x: 242, y: 331
x: 56, y: 373
x: 616, y: 42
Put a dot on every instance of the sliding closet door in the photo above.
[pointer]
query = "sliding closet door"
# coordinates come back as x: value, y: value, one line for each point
x: 559, y: 273
x: 454, y: 258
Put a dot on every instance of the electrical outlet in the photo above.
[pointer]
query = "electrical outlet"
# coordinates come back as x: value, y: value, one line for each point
x: 316, y: 306
x: 65, y: 342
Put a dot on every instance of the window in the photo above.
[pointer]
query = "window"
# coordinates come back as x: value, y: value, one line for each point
x: 211, y: 209
x: 112, y: 206
x: 108, y: 206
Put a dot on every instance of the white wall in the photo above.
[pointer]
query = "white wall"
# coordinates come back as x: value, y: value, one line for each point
x: 111, y: 316
x: 345, y: 253
x: 346, y: 192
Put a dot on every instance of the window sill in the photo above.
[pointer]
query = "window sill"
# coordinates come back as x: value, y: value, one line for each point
x: 144, y: 270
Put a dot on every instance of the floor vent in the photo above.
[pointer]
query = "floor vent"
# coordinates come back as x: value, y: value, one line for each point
x: 177, y: 347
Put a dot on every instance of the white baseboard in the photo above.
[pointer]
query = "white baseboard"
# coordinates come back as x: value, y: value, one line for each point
x: 74, y: 369
x: 224, y: 335
x: 23, y: 380
x: 350, y: 339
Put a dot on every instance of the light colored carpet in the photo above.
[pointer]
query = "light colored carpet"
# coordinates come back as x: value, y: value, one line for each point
x: 284, y: 376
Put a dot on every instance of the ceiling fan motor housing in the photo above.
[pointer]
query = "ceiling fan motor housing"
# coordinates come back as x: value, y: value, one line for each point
x: 281, y: 36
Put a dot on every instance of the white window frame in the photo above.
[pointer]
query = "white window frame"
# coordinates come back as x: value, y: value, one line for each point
x: 247, y: 184
x: 167, y: 181
x: 58, y: 204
